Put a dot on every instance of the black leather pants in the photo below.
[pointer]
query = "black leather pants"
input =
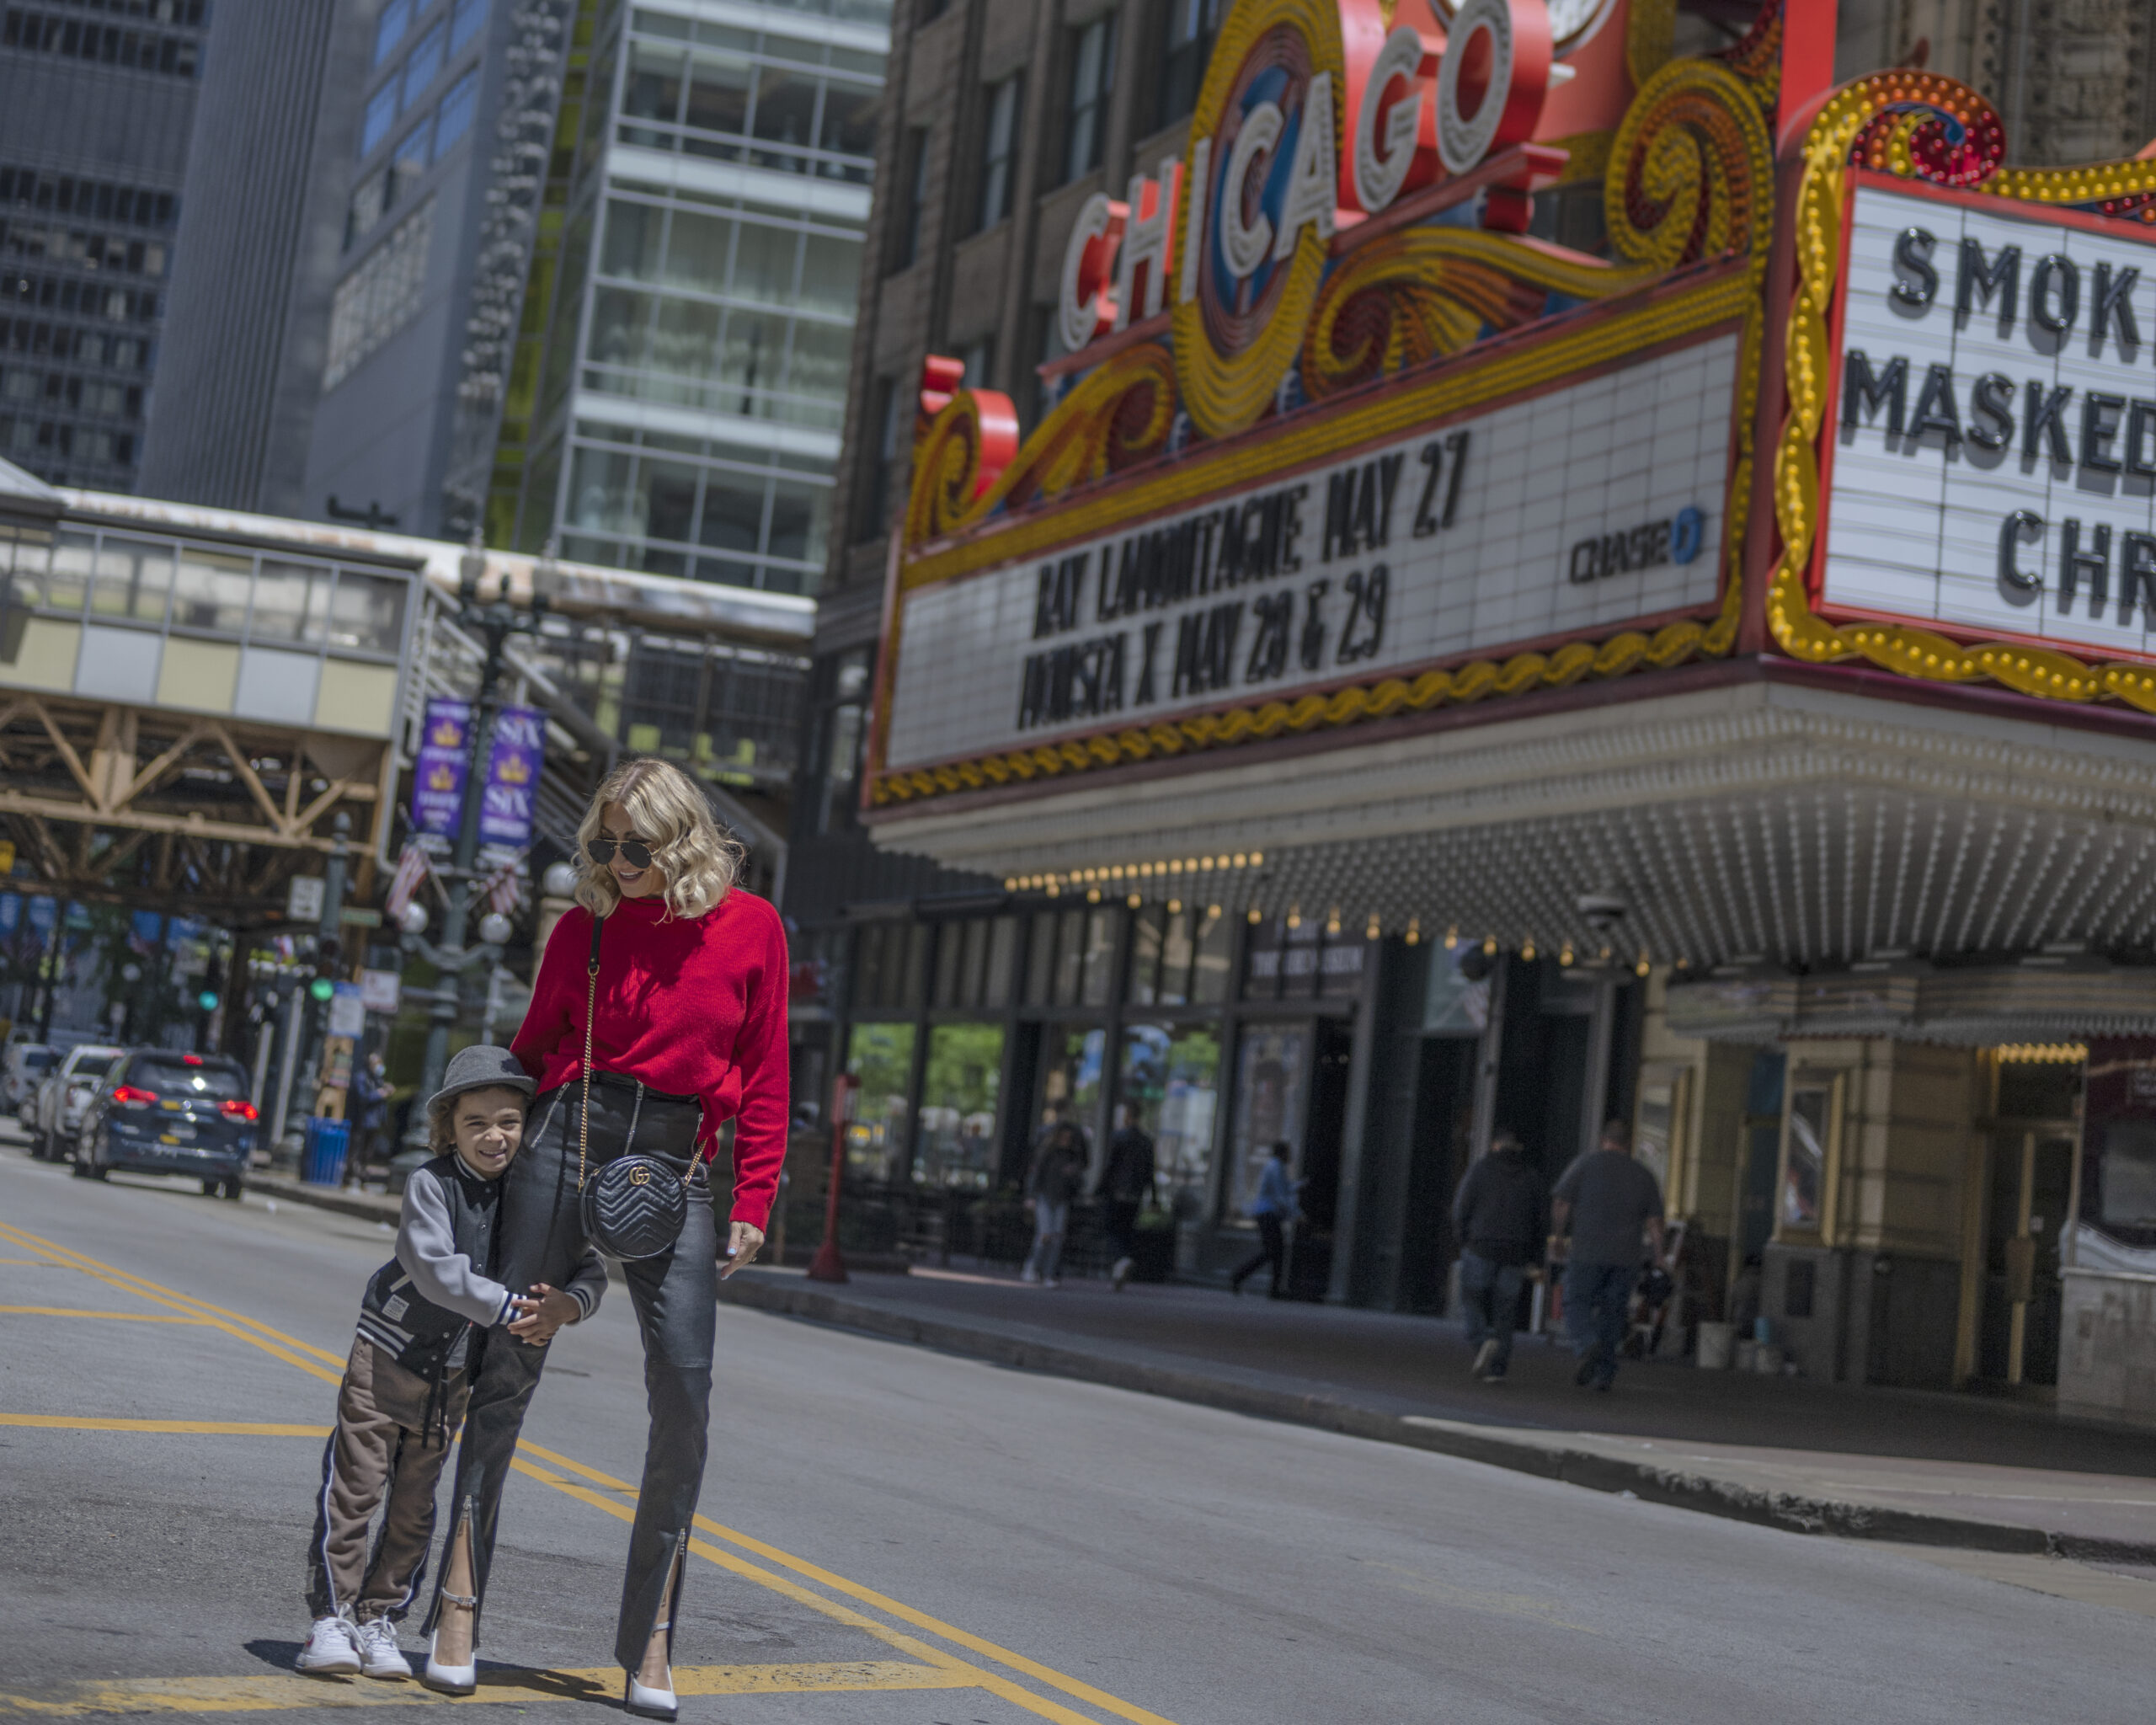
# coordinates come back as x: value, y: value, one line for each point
x: 677, y: 1299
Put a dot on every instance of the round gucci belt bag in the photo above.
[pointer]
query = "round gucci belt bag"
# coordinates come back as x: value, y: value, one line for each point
x: 634, y: 1205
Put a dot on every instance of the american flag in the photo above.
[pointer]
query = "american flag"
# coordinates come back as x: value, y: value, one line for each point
x: 412, y: 868
x: 504, y: 889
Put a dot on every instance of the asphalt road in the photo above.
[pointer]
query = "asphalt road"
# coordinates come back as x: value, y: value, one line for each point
x: 894, y: 1537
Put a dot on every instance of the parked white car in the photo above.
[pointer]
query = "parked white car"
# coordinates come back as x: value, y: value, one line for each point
x: 26, y: 1063
x: 62, y: 1097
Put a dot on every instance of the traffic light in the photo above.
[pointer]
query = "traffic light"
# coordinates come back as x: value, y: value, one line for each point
x: 328, y: 965
x: 207, y: 1000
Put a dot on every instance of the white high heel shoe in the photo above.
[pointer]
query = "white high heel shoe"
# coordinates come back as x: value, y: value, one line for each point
x: 451, y: 1680
x: 640, y: 1701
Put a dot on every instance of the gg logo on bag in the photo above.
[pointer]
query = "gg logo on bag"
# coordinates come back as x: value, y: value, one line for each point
x: 638, y: 1175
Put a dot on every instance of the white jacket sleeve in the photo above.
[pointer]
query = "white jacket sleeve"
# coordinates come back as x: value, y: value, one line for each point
x: 426, y: 1247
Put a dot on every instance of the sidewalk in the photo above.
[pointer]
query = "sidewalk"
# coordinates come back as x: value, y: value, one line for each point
x: 1904, y: 1466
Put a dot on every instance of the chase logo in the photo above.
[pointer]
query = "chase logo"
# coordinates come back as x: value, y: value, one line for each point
x: 1675, y: 539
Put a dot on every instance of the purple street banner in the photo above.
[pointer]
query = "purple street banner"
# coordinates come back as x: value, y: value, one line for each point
x: 438, y: 774
x: 512, y: 788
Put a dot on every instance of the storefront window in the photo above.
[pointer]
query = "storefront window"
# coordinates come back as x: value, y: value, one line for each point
x: 1071, y: 1077
x: 1269, y: 1083
x: 1070, y: 956
x: 1807, y: 1155
x: 958, y: 1106
x: 1213, y: 945
x: 1171, y: 1083
x: 972, y: 962
x: 892, y: 956
x: 1145, y: 955
x: 881, y: 1057
x: 1040, y: 959
x: 1099, y: 980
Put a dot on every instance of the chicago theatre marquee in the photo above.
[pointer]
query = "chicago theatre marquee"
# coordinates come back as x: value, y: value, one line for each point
x: 1709, y: 681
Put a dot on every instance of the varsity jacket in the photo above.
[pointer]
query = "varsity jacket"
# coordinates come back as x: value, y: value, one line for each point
x: 422, y: 1307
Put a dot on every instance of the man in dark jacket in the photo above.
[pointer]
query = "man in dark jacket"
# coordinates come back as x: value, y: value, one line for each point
x: 1606, y: 1201
x: 1497, y: 1216
x: 1126, y: 1183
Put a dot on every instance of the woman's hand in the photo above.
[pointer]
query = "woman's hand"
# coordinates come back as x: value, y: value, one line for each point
x: 544, y: 1312
x: 742, y: 1242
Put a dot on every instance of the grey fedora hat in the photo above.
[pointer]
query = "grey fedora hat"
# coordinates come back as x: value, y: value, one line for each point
x: 482, y: 1066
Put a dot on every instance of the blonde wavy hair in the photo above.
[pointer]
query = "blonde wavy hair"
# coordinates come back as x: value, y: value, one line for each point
x: 664, y: 806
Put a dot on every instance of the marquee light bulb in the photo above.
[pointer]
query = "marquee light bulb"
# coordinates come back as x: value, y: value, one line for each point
x: 1256, y: 915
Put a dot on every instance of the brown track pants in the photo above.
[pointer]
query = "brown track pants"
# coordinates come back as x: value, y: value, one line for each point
x: 380, y: 1456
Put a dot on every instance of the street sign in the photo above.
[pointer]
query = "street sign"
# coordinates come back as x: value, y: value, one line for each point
x: 360, y: 916
x: 303, y: 899
x: 348, y: 1011
x: 381, y: 991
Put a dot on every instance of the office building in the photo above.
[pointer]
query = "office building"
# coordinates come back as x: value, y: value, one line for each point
x: 689, y: 403
x: 96, y: 108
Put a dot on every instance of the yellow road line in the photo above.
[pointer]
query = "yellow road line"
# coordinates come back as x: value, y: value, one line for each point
x: 869, y: 1596
x: 129, y: 1318
x: 289, y: 1348
x: 277, y: 1693
x: 186, y: 1427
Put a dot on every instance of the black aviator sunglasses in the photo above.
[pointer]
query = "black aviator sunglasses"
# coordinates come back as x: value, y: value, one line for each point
x: 634, y: 851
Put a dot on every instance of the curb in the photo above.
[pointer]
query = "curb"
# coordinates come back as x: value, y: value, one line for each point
x: 366, y: 1206
x: 1788, y: 1511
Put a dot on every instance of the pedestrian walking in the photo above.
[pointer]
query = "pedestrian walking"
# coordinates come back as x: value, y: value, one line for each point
x: 1274, y: 1209
x: 371, y: 1085
x: 405, y: 1385
x: 1127, y: 1186
x: 1498, y: 1216
x: 1605, y: 1200
x: 659, y: 1012
x: 1056, y: 1178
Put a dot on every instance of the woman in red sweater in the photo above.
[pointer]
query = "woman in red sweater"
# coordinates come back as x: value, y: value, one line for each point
x: 689, y: 1031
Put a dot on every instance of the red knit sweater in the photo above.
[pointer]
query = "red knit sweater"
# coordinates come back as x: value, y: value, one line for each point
x: 690, y: 1007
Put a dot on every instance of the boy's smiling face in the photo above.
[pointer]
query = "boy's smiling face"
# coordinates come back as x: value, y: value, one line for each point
x: 489, y: 1126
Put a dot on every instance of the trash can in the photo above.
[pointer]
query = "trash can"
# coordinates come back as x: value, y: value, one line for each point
x: 321, y: 1160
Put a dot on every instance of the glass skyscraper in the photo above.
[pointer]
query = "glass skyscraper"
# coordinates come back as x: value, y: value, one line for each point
x: 687, y: 415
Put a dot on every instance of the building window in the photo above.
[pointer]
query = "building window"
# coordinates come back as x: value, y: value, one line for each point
x: 380, y: 297
x: 1187, y: 44
x: 425, y: 62
x: 886, y: 471
x: 1093, y: 76
x: 464, y: 23
x: 1000, y: 154
x: 979, y: 362
x: 454, y: 118
x: 389, y: 30
x: 915, y: 215
x: 381, y: 113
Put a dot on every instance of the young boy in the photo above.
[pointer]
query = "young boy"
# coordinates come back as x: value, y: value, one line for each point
x: 410, y: 1376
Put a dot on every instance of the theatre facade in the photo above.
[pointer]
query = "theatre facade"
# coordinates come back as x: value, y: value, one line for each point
x: 1419, y: 678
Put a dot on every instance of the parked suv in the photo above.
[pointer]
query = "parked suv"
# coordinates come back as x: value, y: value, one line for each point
x: 161, y: 1113
x: 27, y: 1062
x: 63, y: 1094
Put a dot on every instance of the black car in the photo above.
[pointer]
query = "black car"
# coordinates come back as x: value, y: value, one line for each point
x: 161, y: 1112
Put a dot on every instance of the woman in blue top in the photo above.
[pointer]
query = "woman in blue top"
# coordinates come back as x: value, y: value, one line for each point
x: 1272, y: 1209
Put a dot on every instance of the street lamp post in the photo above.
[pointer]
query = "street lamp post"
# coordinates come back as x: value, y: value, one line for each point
x: 495, y: 621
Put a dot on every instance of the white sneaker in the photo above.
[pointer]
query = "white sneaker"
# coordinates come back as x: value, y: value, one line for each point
x: 379, y: 1654
x: 331, y: 1650
x: 1485, y: 1356
x: 1121, y: 1273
